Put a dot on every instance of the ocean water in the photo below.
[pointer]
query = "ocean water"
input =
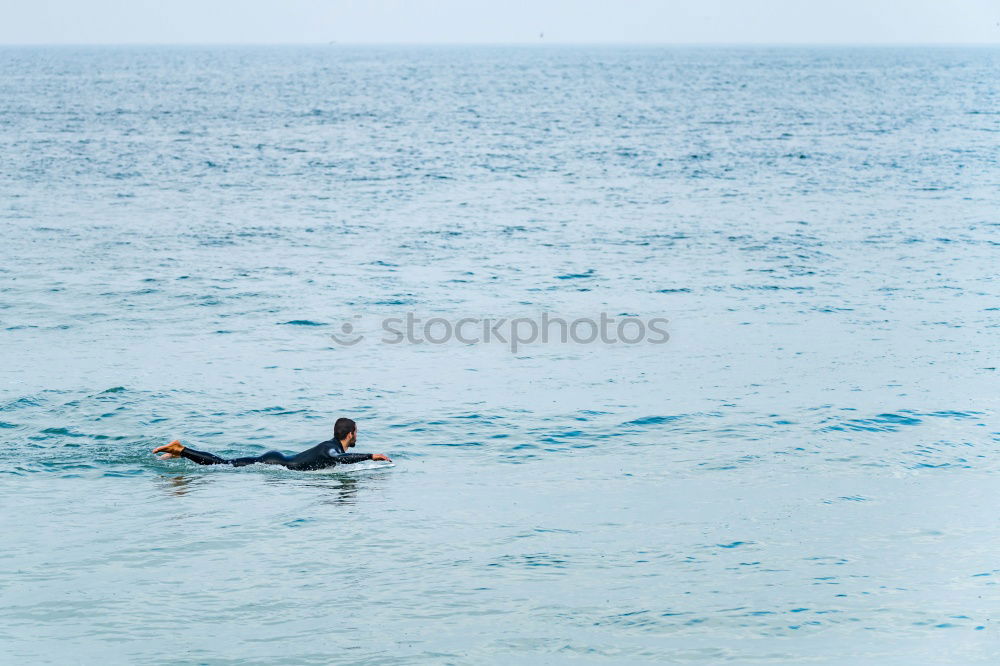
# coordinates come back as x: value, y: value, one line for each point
x: 807, y: 471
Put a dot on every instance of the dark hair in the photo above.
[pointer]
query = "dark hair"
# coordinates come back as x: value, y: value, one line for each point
x: 343, y: 427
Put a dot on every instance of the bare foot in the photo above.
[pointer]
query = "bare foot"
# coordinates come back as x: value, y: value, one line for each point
x: 171, y: 450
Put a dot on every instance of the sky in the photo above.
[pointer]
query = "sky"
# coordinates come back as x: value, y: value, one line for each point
x: 500, y: 21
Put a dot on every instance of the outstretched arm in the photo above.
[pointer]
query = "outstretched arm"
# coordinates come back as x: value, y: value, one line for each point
x: 322, y: 456
x: 350, y: 458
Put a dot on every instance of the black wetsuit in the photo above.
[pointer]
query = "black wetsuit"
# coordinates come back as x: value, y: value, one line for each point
x: 324, y: 454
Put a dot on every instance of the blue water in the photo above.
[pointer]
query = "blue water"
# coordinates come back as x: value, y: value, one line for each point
x: 807, y: 471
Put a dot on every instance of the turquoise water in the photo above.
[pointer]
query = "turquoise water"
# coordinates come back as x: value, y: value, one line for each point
x: 807, y: 471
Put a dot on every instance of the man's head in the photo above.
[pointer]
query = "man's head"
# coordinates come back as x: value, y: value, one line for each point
x: 345, y: 431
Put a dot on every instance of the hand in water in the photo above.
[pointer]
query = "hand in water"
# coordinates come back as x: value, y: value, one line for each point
x: 171, y: 450
x: 375, y: 456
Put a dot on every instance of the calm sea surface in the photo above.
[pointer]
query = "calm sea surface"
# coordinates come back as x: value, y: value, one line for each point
x: 808, y: 471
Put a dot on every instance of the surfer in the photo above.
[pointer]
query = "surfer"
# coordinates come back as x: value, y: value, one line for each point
x: 325, y: 454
